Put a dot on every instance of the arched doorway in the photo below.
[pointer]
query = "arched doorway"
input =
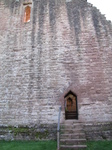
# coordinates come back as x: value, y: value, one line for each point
x: 71, y: 109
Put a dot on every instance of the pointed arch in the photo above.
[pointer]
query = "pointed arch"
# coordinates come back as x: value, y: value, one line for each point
x: 71, y: 109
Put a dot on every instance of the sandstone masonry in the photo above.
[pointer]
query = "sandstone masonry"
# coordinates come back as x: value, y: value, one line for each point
x: 66, y: 46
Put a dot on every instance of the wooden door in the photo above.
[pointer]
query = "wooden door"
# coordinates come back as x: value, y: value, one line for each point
x: 71, y: 111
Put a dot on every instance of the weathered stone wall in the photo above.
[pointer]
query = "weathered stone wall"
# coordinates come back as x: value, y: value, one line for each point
x: 38, y: 132
x: 98, y: 131
x: 67, y: 45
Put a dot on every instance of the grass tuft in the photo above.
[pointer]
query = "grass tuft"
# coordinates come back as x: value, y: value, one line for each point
x: 49, y: 145
x: 99, y: 145
x: 27, y: 145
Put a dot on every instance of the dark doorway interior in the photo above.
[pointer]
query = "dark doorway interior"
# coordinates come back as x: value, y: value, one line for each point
x: 71, y: 110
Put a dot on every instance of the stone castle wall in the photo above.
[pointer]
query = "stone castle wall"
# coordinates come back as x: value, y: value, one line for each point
x: 67, y: 45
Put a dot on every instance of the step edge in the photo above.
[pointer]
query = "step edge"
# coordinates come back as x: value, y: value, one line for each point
x: 73, y: 134
x: 71, y: 146
x: 73, y: 140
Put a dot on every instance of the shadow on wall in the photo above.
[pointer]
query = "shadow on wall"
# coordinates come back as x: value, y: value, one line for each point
x: 11, y: 3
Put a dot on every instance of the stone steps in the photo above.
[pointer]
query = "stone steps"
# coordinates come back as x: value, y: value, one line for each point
x: 67, y: 131
x: 72, y: 141
x: 72, y: 136
x: 71, y: 115
x: 72, y: 147
x: 72, y: 122
x: 77, y: 126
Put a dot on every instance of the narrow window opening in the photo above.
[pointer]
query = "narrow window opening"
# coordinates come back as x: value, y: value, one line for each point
x: 27, y: 14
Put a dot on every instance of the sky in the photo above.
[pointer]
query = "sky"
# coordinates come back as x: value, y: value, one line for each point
x: 105, y: 7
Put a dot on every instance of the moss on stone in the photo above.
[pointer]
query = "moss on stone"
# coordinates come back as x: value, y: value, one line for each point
x: 18, y: 130
x: 42, y: 135
x: 28, y: 131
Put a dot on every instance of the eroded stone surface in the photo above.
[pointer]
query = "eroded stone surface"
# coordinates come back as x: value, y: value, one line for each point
x: 67, y: 45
